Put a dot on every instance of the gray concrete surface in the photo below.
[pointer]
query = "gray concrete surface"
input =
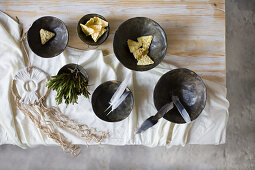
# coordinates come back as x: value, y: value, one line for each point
x: 237, y: 153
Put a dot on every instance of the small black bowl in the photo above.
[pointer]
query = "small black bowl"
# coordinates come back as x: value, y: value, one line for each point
x: 101, y: 98
x: 88, y: 39
x: 72, y: 66
x: 185, y: 84
x: 132, y: 29
x: 54, y: 46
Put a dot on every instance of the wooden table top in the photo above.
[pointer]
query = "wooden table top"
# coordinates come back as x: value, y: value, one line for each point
x: 195, y: 28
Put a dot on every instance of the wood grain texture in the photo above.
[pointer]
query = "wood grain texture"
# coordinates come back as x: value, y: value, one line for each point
x: 195, y: 28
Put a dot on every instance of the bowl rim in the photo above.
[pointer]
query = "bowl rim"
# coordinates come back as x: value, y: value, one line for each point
x: 82, y: 71
x: 49, y: 16
x: 205, y: 100
x: 165, y: 36
x: 113, y: 81
x: 79, y: 28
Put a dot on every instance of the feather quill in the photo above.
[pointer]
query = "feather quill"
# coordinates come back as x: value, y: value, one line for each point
x: 119, y: 92
x: 181, y: 109
x: 118, y: 102
x: 120, y: 89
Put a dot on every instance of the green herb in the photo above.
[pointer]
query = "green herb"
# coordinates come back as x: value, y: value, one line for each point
x: 69, y: 86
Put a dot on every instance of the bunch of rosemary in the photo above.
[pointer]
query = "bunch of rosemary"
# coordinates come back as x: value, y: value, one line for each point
x: 69, y: 86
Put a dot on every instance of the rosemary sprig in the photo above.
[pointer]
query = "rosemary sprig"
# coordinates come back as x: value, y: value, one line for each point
x: 69, y: 86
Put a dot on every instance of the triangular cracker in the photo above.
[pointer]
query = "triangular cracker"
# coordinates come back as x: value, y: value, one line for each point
x: 96, y: 28
x: 46, y: 35
x: 133, y: 45
x: 96, y: 35
x: 102, y: 32
x: 146, y: 41
x: 87, y: 30
x: 139, y: 53
x: 90, y: 22
x: 145, y: 60
x: 99, y: 21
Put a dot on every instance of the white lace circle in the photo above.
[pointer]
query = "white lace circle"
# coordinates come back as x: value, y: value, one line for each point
x: 30, y: 80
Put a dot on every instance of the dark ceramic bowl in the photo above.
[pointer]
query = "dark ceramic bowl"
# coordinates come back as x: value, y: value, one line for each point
x: 185, y: 84
x: 54, y: 46
x: 101, y: 98
x: 132, y: 29
x: 72, y: 66
x: 88, y: 39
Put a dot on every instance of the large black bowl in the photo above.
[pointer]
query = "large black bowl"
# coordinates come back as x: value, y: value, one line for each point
x: 101, y: 98
x: 185, y: 84
x: 54, y: 46
x: 88, y: 39
x: 132, y: 29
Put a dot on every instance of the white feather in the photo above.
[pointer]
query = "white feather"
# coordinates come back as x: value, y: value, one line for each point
x: 118, y: 102
x: 120, y: 89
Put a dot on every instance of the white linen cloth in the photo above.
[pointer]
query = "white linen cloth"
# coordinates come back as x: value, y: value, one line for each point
x: 15, y: 128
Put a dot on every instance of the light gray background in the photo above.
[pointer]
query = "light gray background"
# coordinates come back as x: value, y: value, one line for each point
x: 237, y: 153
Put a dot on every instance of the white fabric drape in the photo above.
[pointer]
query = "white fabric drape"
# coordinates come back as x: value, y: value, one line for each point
x: 15, y: 128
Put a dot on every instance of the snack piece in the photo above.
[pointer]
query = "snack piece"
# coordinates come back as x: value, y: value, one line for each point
x: 99, y: 21
x: 96, y: 35
x: 145, y: 60
x: 133, y: 45
x: 90, y: 22
x: 102, y: 32
x: 88, y: 31
x: 140, y: 53
x: 46, y: 35
x: 145, y: 41
x: 94, y: 27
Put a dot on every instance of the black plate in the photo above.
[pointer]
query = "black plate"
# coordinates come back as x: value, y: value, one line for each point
x: 132, y: 29
x: 54, y: 46
x: 101, y: 98
x: 190, y: 89
x: 82, y: 71
x: 88, y: 39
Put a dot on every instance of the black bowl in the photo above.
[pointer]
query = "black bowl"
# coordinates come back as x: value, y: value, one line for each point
x: 72, y: 66
x: 185, y: 84
x: 88, y: 39
x: 132, y: 29
x: 101, y: 98
x: 54, y: 46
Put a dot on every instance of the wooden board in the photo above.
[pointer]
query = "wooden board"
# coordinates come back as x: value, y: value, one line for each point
x: 195, y: 28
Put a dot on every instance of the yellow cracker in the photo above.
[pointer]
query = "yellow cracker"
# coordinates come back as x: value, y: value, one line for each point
x: 101, y: 32
x: 99, y: 21
x: 139, y: 53
x: 46, y: 35
x: 95, y: 36
x: 133, y: 45
x: 146, y: 41
x: 145, y: 60
x: 87, y: 30
x: 96, y: 28
x: 90, y: 22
